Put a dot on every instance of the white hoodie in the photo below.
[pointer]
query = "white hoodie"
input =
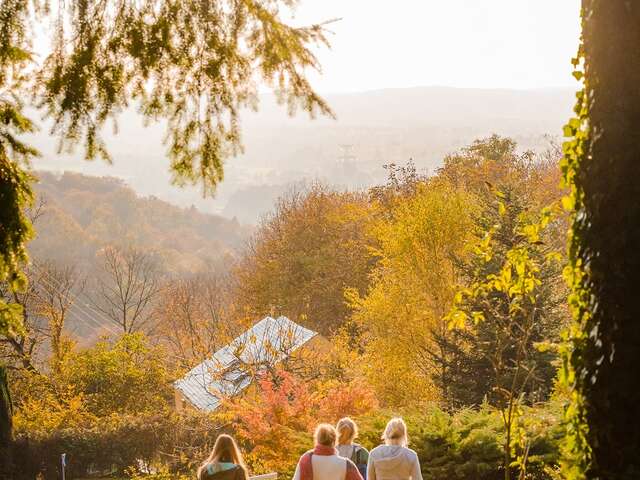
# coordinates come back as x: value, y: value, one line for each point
x: 393, y: 462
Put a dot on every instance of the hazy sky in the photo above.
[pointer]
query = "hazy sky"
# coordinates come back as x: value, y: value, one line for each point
x: 461, y: 43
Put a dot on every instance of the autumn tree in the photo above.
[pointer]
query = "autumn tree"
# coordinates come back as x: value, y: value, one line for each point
x: 194, y: 318
x: 56, y: 291
x: 128, y: 375
x: 46, y: 305
x: 412, y: 288
x: 127, y: 287
x: 305, y: 254
x: 275, y: 423
x: 19, y: 347
x: 600, y: 166
x: 496, y: 161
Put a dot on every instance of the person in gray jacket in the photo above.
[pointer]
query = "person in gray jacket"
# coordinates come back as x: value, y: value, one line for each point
x: 393, y: 460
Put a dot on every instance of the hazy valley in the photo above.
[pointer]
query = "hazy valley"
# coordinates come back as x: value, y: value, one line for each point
x: 381, y: 127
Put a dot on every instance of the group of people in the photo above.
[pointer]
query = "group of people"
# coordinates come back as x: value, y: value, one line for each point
x: 335, y: 456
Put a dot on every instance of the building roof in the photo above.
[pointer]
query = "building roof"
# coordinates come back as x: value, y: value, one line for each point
x: 224, y: 374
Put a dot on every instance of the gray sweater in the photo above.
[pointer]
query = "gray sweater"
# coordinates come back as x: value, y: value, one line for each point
x: 393, y: 462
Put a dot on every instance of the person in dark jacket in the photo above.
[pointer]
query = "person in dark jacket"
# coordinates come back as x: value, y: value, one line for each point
x: 225, y: 462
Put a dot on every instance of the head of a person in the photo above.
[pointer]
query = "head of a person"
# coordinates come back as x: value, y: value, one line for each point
x: 347, y: 431
x: 325, y: 435
x: 224, y: 450
x: 395, y: 433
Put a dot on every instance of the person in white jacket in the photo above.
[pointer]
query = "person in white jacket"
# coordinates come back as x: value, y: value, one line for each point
x: 394, y: 460
x: 323, y: 462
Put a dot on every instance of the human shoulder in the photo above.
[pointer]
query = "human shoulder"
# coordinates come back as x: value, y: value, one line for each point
x: 376, y: 451
x: 360, y: 448
x: 215, y: 467
x: 411, y: 453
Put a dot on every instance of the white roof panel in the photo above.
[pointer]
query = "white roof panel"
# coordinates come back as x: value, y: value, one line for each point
x: 269, y: 341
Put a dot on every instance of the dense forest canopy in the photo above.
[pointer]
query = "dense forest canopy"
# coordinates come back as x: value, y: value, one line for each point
x: 100, y: 211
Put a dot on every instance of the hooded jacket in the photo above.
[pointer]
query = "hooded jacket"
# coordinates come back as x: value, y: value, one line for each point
x: 393, y: 462
x: 223, y: 471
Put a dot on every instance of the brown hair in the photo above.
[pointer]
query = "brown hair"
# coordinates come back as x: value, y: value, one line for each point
x: 224, y: 450
x: 325, y: 435
x: 347, y: 431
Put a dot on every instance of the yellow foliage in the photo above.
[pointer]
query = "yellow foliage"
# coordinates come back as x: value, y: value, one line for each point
x: 412, y: 289
x: 43, y: 410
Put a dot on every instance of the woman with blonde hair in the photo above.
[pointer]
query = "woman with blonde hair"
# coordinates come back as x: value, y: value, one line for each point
x: 347, y: 433
x: 394, y: 460
x: 225, y: 462
x: 323, y: 462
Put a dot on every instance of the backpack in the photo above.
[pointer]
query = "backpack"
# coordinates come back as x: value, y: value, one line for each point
x: 360, y: 457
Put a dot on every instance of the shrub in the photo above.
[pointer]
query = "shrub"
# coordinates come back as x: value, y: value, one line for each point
x: 468, y: 444
x: 115, y: 444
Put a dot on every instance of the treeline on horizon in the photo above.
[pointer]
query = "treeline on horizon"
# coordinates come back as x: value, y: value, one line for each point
x: 442, y: 296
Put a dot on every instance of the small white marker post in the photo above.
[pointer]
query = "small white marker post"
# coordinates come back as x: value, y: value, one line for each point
x: 63, y: 462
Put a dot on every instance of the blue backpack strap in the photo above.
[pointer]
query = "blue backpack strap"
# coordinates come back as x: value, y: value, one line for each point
x: 357, y: 460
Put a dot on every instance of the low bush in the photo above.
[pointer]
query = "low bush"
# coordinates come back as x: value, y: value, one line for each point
x: 468, y: 444
x: 115, y: 444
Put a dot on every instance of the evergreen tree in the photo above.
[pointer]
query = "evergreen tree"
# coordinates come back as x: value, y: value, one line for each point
x: 476, y: 361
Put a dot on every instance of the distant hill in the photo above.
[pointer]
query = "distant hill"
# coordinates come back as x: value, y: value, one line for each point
x: 383, y: 126
x: 81, y: 214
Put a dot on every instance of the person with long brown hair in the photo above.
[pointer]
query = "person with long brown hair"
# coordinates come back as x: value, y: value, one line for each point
x: 225, y: 461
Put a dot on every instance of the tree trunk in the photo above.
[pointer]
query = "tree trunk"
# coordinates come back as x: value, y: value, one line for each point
x: 6, y: 427
x: 607, y: 239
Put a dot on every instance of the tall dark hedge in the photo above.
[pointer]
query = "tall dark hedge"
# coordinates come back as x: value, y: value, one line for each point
x: 605, y: 245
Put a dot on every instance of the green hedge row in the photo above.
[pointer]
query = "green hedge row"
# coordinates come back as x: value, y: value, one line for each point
x: 114, y: 444
x: 468, y: 444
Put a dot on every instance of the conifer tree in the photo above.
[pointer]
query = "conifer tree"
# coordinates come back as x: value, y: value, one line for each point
x: 469, y: 371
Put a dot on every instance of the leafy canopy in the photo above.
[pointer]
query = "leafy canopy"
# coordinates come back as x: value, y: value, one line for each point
x: 195, y: 64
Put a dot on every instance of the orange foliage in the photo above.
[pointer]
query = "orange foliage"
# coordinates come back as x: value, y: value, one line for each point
x: 337, y: 400
x: 274, y: 423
